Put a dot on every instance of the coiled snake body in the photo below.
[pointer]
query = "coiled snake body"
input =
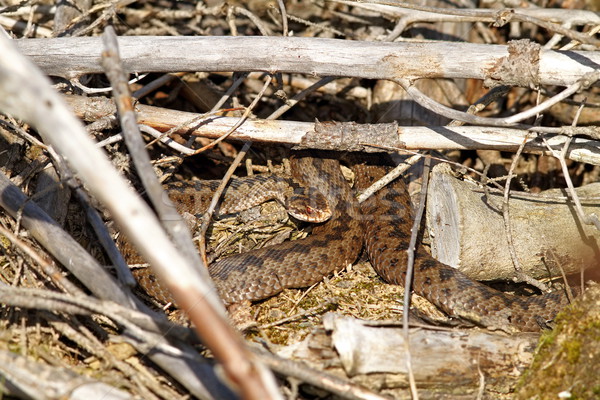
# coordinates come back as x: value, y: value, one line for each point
x: 383, y: 224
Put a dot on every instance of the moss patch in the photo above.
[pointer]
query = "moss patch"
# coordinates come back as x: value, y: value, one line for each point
x: 567, y: 358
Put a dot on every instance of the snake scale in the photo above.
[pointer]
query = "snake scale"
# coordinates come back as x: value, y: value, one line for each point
x: 383, y: 225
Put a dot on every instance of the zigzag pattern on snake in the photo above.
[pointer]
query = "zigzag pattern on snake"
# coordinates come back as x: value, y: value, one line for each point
x: 383, y: 224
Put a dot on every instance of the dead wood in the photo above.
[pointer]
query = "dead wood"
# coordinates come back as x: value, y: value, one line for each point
x: 323, y: 57
x: 339, y: 136
x: 467, y: 230
x: 374, y: 354
x: 25, y: 378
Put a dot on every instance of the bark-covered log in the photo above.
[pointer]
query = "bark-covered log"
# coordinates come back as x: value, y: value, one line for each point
x: 467, y: 230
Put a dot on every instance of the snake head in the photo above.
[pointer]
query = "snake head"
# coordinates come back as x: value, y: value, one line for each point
x: 309, y: 206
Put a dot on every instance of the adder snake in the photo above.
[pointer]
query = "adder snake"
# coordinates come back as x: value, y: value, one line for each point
x: 383, y: 225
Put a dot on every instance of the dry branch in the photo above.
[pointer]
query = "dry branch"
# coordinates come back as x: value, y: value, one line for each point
x: 372, y: 352
x: 27, y: 94
x: 547, y: 18
x: 24, y: 378
x: 565, y: 16
x: 71, y: 57
x: 344, y: 137
x: 60, y: 244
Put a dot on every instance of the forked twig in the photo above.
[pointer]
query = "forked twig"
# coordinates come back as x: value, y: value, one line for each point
x: 584, y: 82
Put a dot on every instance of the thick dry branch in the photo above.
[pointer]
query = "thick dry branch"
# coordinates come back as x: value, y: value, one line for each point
x: 71, y: 57
x: 26, y: 94
x: 344, y: 137
x: 467, y: 230
x: 372, y: 354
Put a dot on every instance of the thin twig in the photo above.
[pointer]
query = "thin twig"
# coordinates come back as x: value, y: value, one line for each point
x: 427, y: 156
x: 48, y: 268
x: 76, y: 82
x: 165, y: 137
x: 409, y: 275
x: 284, y: 21
x: 262, y: 27
x: 217, y: 195
x: 481, y: 388
x: 155, y: 84
x: 322, y: 26
x: 563, y: 275
x: 591, y: 219
x: 389, y: 177
x: 241, y: 120
x: 575, y: 43
x: 311, y: 311
x: 299, y: 97
x: 508, y: 227
x: 488, y: 98
x: 236, y: 83
x: 584, y: 82
x: 206, y: 217
x: 498, y: 17
x: 162, y: 137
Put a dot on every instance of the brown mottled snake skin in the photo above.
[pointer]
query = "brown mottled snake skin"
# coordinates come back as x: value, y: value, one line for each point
x: 383, y: 224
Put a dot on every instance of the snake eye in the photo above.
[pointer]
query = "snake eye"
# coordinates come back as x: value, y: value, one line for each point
x: 309, y: 208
